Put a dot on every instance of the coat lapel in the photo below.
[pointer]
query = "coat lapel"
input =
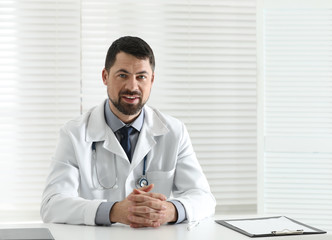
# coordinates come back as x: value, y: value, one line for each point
x: 153, y: 126
x: 99, y: 131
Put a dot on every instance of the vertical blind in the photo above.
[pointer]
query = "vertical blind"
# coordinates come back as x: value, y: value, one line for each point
x: 39, y: 91
x: 298, y: 114
x: 205, y: 76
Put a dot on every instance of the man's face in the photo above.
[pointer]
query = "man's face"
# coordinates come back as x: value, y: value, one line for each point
x: 129, y: 83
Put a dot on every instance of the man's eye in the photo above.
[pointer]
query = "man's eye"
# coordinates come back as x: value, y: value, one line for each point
x: 142, y: 77
x: 122, y: 75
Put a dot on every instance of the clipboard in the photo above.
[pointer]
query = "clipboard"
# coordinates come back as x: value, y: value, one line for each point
x: 26, y: 234
x: 269, y: 226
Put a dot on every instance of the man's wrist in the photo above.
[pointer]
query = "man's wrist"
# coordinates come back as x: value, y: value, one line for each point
x: 112, y: 214
x: 103, y: 213
x: 117, y: 214
x: 172, y: 214
x: 180, y: 211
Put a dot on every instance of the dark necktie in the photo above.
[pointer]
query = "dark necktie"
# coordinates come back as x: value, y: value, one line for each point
x: 125, y: 140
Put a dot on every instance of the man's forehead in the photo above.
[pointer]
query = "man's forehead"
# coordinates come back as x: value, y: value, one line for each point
x: 127, y: 56
x: 129, y: 63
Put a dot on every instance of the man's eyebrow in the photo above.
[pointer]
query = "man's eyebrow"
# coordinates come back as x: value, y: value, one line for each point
x: 142, y: 72
x: 125, y: 71
x: 122, y: 70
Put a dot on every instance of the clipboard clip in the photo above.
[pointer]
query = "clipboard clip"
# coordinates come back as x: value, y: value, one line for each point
x: 287, y: 232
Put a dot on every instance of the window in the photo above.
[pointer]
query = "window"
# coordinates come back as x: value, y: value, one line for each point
x: 40, y: 90
x: 297, y: 155
x: 205, y: 76
x: 52, y: 55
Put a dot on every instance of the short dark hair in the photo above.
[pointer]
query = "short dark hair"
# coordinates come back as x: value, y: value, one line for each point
x: 132, y: 45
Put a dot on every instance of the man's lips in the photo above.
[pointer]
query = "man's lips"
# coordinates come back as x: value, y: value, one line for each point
x: 130, y: 98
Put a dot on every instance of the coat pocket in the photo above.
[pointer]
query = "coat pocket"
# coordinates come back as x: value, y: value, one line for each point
x: 163, y: 181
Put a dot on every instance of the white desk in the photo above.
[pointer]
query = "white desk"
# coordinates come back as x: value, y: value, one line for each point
x: 206, y: 230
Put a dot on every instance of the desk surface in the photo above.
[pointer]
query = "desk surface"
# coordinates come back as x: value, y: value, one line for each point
x: 205, y: 230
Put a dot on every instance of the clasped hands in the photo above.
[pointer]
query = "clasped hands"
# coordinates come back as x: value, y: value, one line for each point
x: 144, y: 209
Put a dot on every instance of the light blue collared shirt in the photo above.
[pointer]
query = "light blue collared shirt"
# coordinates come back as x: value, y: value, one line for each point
x: 104, y: 209
x: 116, y: 124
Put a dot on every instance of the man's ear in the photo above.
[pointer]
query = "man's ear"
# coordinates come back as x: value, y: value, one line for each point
x: 104, y: 76
x: 152, y: 78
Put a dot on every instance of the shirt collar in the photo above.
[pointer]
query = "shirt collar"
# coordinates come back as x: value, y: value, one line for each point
x: 115, y: 123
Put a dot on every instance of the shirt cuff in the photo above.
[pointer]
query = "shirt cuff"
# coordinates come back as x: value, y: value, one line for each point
x: 103, y: 214
x: 181, y: 211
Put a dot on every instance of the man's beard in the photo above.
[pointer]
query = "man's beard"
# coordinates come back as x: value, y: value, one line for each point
x: 125, y: 108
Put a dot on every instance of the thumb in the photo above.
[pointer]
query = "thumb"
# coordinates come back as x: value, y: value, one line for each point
x: 144, y: 189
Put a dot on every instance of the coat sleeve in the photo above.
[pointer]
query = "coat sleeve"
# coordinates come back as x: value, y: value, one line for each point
x: 60, y: 201
x: 191, y: 187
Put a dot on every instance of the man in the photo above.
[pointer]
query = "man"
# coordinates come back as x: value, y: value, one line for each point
x: 105, y: 158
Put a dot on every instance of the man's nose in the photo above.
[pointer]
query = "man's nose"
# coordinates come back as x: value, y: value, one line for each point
x: 132, y: 83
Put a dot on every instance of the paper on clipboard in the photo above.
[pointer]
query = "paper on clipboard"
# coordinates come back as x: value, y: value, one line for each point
x: 266, y: 226
x: 270, y: 226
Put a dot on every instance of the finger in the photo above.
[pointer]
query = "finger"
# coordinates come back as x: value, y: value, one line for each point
x: 142, y: 190
x: 152, y: 217
x: 140, y: 221
x: 135, y: 225
x: 155, y: 206
x: 159, y: 196
x: 141, y: 196
x: 147, y: 212
x: 141, y: 209
x: 136, y: 191
x: 146, y: 188
x: 155, y: 216
x: 138, y: 197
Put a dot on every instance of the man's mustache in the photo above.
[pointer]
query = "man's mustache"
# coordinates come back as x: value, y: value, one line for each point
x: 127, y: 92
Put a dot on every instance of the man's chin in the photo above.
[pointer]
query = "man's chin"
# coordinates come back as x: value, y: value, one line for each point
x: 127, y: 108
x: 130, y: 109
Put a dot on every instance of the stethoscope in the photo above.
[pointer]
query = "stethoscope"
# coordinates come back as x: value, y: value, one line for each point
x: 141, y: 182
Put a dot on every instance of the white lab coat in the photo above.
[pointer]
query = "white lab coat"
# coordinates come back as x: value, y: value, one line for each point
x: 72, y: 193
